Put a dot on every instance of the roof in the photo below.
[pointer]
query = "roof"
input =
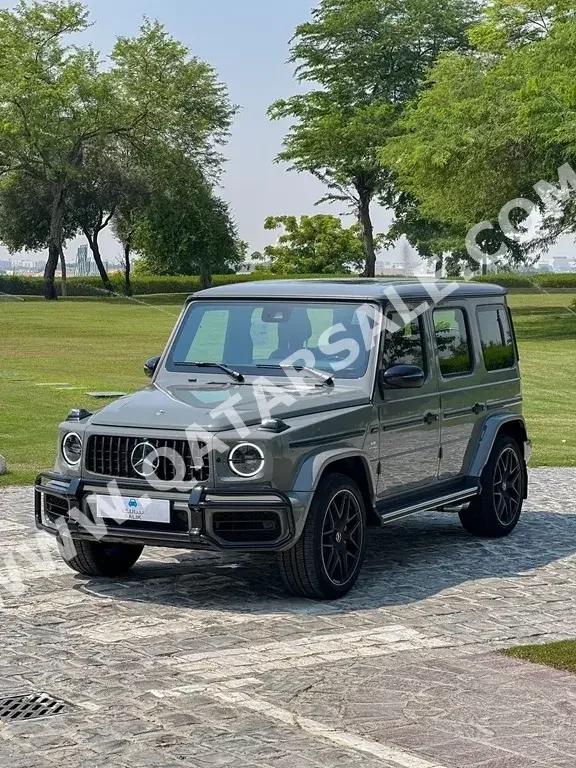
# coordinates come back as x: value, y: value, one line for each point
x: 359, y: 289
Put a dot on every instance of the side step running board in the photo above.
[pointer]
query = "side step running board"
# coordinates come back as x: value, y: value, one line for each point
x: 427, y: 505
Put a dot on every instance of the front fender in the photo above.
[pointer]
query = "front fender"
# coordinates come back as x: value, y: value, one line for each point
x: 314, y: 465
x: 310, y: 473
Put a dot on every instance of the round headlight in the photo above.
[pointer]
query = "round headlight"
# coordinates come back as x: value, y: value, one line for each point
x: 246, y: 460
x: 72, y: 449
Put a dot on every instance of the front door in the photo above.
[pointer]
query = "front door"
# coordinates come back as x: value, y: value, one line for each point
x: 409, y: 418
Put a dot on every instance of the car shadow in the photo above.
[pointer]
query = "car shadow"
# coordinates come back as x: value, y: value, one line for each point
x: 406, y: 562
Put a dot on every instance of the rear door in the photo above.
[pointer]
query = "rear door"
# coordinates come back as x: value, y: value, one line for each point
x: 461, y: 391
x: 409, y: 418
x: 500, y: 358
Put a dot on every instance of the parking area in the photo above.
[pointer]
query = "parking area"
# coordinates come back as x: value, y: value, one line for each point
x: 200, y: 659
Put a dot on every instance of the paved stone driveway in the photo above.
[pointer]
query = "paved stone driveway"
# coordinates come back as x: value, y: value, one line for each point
x: 200, y: 660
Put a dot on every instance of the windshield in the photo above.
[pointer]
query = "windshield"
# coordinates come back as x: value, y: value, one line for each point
x: 257, y: 337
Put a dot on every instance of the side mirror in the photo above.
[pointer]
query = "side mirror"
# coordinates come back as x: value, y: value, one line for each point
x: 404, y: 377
x: 151, y: 365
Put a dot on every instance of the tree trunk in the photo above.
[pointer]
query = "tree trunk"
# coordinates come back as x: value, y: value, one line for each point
x: 50, y: 293
x: 92, y: 238
x: 205, y: 275
x: 367, y: 228
x: 63, y: 271
x: 127, y: 267
x: 54, y: 241
x: 439, y: 267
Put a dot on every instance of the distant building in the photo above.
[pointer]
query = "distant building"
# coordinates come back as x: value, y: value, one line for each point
x: 390, y: 270
x: 83, y: 265
x: 251, y: 266
x: 5, y: 266
x: 562, y: 264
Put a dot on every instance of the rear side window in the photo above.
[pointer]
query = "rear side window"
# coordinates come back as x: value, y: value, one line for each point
x: 497, y: 339
x: 453, y: 342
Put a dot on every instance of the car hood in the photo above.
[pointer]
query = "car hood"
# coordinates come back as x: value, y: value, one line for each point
x: 180, y: 407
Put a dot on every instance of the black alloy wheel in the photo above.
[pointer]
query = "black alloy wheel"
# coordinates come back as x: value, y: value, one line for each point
x: 496, y: 511
x: 342, y: 537
x: 325, y: 562
x: 508, y: 486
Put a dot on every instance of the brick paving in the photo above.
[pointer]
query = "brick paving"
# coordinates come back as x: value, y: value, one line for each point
x: 200, y: 660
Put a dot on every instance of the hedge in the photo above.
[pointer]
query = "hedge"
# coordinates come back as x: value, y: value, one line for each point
x: 92, y: 286
x: 507, y: 279
x: 541, y: 280
x: 557, y: 280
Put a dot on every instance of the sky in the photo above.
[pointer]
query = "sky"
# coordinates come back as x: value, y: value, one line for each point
x: 247, y: 42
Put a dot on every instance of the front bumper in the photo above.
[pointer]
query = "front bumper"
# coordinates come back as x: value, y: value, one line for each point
x: 250, y: 520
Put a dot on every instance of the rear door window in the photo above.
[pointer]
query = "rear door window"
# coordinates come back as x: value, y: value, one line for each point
x: 453, y: 342
x: 497, y: 338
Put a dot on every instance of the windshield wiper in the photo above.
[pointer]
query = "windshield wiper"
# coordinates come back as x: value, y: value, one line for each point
x: 233, y: 374
x: 327, y: 380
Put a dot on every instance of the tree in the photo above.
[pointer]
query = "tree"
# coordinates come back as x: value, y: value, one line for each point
x: 494, y: 123
x: 96, y: 192
x: 365, y: 60
x: 25, y: 211
x: 185, y: 229
x: 130, y: 211
x: 42, y: 82
x: 57, y: 106
x: 314, y: 245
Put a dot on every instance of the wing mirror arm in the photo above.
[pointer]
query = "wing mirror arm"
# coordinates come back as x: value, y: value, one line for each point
x: 151, y: 365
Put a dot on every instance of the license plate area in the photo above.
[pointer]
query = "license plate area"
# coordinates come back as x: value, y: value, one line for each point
x: 133, y: 509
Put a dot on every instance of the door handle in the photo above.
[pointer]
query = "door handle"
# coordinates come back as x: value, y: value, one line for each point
x: 430, y: 418
x: 479, y: 408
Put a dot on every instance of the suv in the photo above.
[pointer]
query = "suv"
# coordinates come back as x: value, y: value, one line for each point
x: 290, y: 416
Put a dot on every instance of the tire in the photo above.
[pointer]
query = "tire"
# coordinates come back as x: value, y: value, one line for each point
x: 325, y: 562
x: 496, y: 511
x: 93, y: 558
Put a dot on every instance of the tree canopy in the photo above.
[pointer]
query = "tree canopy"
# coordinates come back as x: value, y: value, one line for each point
x: 314, y: 245
x: 494, y: 123
x: 59, y: 109
x: 363, y: 62
x: 184, y: 228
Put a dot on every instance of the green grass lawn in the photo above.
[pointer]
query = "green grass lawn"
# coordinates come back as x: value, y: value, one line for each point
x: 53, y: 353
x: 560, y: 655
x: 546, y: 330
x: 91, y: 346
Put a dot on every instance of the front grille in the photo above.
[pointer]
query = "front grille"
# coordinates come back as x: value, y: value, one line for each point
x: 237, y: 527
x: 111, y: 455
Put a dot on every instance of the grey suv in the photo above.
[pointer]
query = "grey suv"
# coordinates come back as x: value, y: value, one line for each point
x: 291, y: 416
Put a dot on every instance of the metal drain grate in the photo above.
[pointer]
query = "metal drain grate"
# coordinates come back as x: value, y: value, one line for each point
x: 29, y: 706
